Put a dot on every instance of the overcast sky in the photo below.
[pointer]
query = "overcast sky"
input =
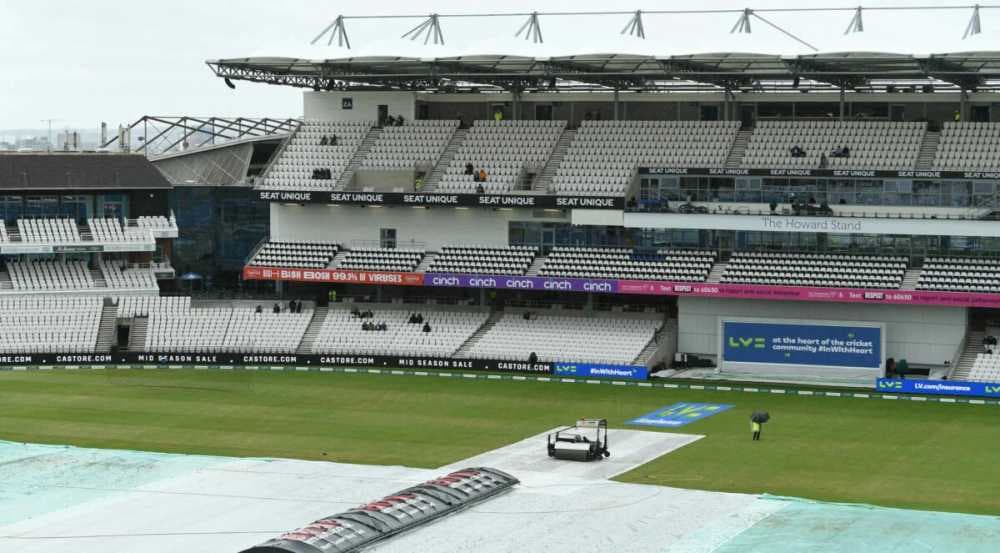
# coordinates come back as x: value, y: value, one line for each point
x: 114, y: 60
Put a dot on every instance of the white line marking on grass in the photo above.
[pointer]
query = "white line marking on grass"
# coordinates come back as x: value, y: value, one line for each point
x: 374, y: 371
x: 750, y: 390
x: 833, y: 394
x: 468, y: 375
x: 543, y: 379
x: 890, y: 397
x: 421, y: 373
x: 977, y: 401
x: 568, y: 380
x: 947, y: 400
x: 349, y: 370
x: 805, y: 392
x: 861, y: 395
x: 444, y: 374
x: 398, y: 372
x: 671, y: 386
x: 918, y: 398
x: 777, y: 391
x: 593, y: 382
x: 724, y: 388
x: 519, y: 377
x: 302, y: 369
x: 619, y: 383
x: 697, y: 387
x: 326, y: 369
x: 493, y: 377
x: 645, y: 384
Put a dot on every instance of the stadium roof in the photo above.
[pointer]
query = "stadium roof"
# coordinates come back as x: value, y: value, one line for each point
x: 696, y: 72
x: 65, y: 171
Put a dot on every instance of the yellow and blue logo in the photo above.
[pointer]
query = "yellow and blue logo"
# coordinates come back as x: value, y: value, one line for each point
x: 679, y: 414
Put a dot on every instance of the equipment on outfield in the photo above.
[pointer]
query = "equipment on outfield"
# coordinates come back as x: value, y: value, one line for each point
x: 585, y: 441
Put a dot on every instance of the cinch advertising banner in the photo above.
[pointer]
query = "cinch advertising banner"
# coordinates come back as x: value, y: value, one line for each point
x: 588, y: 370
x: 937, y: 387
x: 802, y: 344
x: 679, y: 414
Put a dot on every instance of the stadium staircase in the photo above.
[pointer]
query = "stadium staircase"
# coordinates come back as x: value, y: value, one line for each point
x: 928, y: 150
x: 738, y: 149
x: 5, y: 282
x: 973, y: 347
x: 425, y: 263
x: 449, y: 154
x: 647, y: 353
x: 312, y: 331
x: 536, y: 265
x: 137, y: 334
x: 491, y: 321
x: 715, y: 275
x: 347, y: 177
x: 99, y: 280
x: 543, y: 183
x: 107, y: 331
x: 910, y: 279
x: 337, y: 259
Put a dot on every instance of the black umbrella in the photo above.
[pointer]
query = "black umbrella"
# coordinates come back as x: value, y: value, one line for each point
x: 760, y: 416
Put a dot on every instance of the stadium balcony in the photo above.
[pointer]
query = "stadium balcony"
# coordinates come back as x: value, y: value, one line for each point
x: 626, y: 263
x: 159, y: 226
x: 55, y: 276
x: 968, y: 146
x: 870, y: 144
x: 299, y: 255
x: 30, y: 324
x: 440, y: 332
x: 316, y: 155
x: 604, y: 155
x: 50, y: 235
x: 616, y: 339
x: 471, y: 259
x: 380, y: 259
x: 505, y: 150
x: 960, y: 274
x: 415, y: 144
x: 815, y: 269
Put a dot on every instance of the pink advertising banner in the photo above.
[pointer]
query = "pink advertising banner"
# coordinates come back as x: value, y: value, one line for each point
x: 804, y: 293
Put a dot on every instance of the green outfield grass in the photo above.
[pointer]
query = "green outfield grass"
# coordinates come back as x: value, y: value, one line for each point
x: 894, y: 453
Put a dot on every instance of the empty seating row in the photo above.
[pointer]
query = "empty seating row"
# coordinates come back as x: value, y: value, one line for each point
x: 140, y: 306
x: 565, y: 338
x: 223, y: 329
x: 985, y: 368
x: 343, y: 332
x: 34, y: 324
x: 968, y: 146
x: 810, y: 269
x: 871, y: 144
x: 48, y: 230
x: 604, y: 155
x: 118, y: 274
x: 416, y: 142
x: 381, y: 259
x: 960, y: 274
x: 316, y: 145
x: 505, y: 150
x: 50, y: 274
x: 511, y: 260
x: 305, y: 255
x: 626, y: 263
x: 111, y: 230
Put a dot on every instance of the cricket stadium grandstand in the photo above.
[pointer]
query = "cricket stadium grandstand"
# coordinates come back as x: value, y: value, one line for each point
x: 402, y: 292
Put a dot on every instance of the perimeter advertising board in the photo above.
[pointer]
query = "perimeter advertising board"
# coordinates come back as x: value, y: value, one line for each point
x: 754, y: 344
